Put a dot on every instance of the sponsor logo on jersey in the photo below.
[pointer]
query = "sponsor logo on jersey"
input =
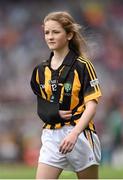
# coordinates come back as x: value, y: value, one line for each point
x: 94, y: 82
x: 42, y: 86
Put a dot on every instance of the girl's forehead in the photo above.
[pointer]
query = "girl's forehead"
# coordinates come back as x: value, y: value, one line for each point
x: 52, y: 24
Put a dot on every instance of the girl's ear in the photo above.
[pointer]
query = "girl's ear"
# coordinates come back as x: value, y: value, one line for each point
x: 69, y: 36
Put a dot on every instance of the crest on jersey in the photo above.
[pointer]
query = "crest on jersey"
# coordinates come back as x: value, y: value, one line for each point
x: 67, y: 87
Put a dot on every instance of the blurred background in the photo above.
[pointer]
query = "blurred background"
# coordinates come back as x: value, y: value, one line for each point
x: 22, y: 47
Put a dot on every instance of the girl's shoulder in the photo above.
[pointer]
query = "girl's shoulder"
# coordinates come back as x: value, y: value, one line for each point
x: 83, y: 60
x: 41, y: 65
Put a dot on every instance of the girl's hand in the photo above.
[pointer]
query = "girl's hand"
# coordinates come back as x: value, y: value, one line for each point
x: 65, y: 114
x: 68, y: 142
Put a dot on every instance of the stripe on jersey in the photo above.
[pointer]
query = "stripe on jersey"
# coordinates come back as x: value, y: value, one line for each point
x: 91, y: 70
x: 47, y: 75
x: 76, y: 83
x: 43, y: 93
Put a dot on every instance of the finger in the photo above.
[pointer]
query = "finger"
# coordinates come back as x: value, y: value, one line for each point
x: 67, y: 147
x: 63, y: 149
x: 66, y: 112
x: 64, y: 116
x: 61, y: 146
x: 70, y: 148
x: 67, y: 116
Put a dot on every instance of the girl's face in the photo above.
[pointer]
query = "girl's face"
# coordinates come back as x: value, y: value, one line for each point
x: 55, y: 35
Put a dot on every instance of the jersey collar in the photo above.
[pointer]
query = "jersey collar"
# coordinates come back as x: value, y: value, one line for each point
x: 68, y: 58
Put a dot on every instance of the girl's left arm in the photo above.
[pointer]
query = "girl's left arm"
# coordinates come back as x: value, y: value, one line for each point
x: 69, y: 141
x: 88, y: 114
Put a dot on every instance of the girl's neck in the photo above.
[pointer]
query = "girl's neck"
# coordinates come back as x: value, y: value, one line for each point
x: 58, y: 58
x: 60, y: 55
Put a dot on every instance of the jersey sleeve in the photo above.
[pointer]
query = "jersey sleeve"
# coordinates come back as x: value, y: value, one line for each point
x: 91, y: 83
x: 35, y: 82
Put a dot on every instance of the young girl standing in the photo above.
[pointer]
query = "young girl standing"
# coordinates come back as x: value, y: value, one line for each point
x: 67, y: 92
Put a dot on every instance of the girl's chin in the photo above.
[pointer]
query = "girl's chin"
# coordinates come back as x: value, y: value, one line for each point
x: 53, y: 49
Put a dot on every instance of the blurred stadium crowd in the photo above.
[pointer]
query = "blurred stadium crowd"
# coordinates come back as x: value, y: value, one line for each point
x: 22, y: 47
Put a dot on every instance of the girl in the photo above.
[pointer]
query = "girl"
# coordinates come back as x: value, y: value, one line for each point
x: 67, y: 92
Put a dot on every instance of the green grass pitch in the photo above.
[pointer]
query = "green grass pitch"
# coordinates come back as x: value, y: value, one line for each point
x: 20, y: 171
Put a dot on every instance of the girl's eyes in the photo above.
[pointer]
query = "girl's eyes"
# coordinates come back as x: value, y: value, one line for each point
x: 56, y: 32
x: 46, y: 32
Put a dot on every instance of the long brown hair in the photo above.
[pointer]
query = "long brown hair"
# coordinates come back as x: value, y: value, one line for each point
x: 77, y: 43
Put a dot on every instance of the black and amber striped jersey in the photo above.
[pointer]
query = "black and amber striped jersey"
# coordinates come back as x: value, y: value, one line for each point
x: 80, y: 86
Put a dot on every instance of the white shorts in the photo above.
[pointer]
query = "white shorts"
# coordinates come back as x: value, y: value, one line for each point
x: 85, y: 153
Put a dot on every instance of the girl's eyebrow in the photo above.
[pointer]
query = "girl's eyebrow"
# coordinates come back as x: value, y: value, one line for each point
x: 52, y: 30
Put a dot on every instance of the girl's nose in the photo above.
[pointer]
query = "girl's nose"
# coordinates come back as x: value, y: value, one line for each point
x: 50, y: 36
